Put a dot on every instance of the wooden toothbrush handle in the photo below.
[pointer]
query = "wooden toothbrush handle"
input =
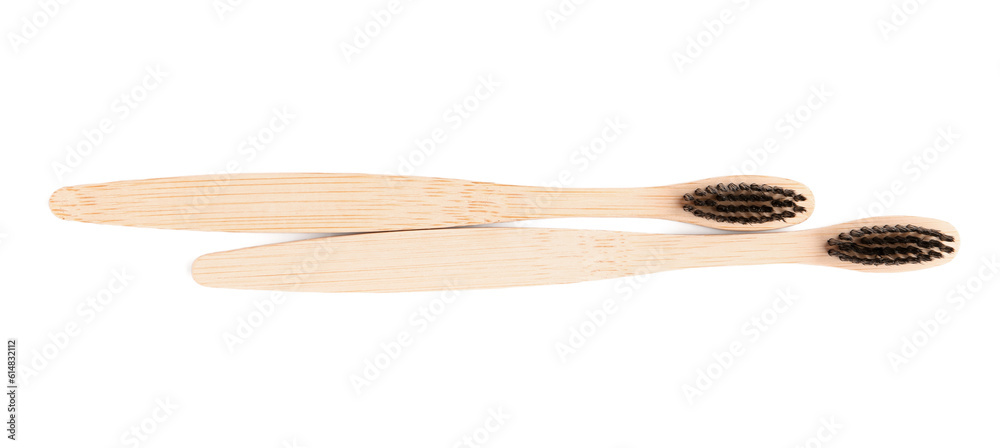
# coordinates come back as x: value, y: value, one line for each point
x: 328, y: 203
x: 472, y: 258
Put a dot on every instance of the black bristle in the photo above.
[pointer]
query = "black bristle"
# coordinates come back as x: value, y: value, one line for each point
x: 744, y: 203
x: 890, y: 245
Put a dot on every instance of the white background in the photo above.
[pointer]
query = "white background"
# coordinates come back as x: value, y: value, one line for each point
x: 163, y: 337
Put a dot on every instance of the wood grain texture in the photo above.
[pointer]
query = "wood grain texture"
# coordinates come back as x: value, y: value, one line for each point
x: 333, y: 203
x: 475, y: 258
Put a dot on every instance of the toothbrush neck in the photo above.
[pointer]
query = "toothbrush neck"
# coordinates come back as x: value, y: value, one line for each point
x: 556, y: 202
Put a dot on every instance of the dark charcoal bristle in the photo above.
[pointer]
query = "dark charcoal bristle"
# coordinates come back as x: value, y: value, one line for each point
x: 745, y: 204
x: 890, y: 245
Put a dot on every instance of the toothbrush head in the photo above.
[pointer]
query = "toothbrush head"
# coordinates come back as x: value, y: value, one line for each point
x: 748, y: 204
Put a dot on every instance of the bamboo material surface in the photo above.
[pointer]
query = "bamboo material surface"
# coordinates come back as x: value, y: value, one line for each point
x: 474, y: 258
x: 334, y: 203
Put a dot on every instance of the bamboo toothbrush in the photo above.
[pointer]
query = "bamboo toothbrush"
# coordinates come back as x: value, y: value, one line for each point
x: 332, y: 203
x: 494, y: 257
